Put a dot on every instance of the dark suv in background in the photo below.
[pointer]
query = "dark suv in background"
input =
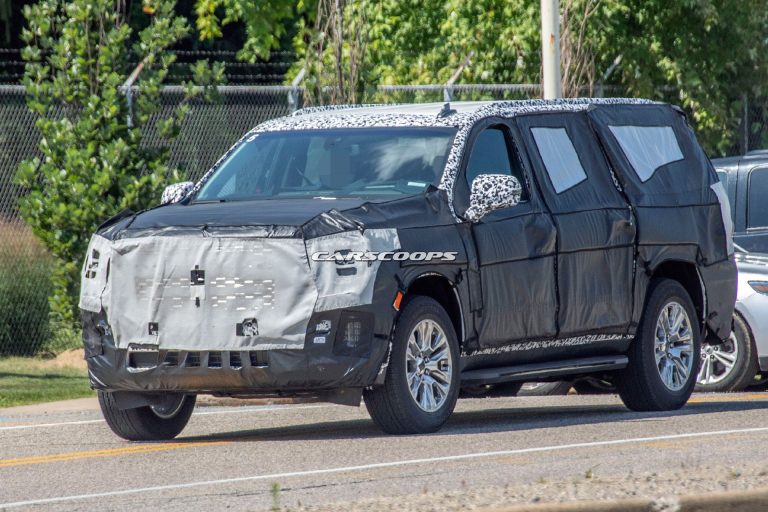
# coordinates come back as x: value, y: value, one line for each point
x: 745, y: 179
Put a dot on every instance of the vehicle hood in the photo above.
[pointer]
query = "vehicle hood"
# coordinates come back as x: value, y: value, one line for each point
x: 265, y: 212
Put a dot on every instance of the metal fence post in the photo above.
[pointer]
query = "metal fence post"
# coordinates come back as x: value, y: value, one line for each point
x: 448, y: 89
x: 293, y: 94
x: 745, y: 145
x: 127, y: 88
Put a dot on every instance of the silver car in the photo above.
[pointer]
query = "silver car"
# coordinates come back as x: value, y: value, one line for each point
x: 734, y: 365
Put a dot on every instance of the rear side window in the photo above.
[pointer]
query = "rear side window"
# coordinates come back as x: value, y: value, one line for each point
x: 647, y: 147
x: 757, y: 206
x: 559, y: 156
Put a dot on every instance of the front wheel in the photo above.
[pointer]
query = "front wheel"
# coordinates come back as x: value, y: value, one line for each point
x: 422, y: 380
x: 664, y: 357
x: 162, y: 421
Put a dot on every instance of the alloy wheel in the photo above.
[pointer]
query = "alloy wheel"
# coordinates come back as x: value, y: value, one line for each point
x: 673, y: 346
x: 718, y: 361
x: 429, y: 365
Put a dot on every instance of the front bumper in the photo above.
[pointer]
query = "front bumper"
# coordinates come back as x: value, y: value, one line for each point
x: 327, y: 362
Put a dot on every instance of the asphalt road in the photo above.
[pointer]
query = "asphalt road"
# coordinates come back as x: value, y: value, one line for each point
x: 493, y: 451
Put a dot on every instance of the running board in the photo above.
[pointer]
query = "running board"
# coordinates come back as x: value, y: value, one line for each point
x: 546, y: 370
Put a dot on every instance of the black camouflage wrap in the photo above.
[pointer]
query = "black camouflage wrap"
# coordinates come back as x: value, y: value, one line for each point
x: 558, y: 276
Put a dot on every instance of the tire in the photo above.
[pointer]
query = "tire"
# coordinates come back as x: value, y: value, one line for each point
x: 559, y: 387
x: 641, y: 385
x: 739, y: 351
x: 148, y: 423
x: 393, y: 406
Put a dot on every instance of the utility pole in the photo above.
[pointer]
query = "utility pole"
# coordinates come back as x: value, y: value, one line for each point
x: 550, y: 48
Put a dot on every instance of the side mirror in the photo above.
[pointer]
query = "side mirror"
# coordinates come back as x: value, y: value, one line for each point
x: 176, y: 192
x: 492, y: 192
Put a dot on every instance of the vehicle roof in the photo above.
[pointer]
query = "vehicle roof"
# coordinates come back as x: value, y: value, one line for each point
x: 456, y: 114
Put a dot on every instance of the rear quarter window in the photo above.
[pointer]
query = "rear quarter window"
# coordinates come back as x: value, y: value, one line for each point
x: 647, y: 147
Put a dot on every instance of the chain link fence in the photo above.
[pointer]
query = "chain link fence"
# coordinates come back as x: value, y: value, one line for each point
x: 208, y: 131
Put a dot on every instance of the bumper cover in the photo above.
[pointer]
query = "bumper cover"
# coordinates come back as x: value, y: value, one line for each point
x: 330, y: 365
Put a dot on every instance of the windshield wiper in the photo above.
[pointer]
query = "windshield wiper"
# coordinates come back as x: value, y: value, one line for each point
x: 209, y: 201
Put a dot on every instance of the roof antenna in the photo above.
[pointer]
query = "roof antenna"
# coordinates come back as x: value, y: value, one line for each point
x: 446, y: 111
x: 448, y: 88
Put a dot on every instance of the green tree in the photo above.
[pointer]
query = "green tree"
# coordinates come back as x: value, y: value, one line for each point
x: 94, y: 161
x: 701, y: 54
x: 265, y: 22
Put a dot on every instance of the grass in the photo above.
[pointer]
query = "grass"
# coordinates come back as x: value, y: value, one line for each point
x: 26, y: 381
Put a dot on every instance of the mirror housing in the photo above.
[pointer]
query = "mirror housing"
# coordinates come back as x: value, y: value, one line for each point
x: 176, y: 192
x: 492, y: 192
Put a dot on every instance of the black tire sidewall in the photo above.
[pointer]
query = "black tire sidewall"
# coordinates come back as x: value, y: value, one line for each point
x: 417, y: 309
x: 645, y: 376
x: 141, y: 423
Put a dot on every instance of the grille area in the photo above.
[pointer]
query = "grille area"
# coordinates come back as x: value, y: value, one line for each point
x: 214, y: 360
x: 259, y: 358
x: 193, y: 360
x: 171, y: 359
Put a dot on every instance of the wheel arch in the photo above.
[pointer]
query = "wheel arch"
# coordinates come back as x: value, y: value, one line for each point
x: 687, y: 274
x: 438, y: 287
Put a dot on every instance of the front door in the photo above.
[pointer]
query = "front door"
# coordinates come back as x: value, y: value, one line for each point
x: 515, y: 246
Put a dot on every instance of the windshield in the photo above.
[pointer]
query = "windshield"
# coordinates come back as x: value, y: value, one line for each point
x: 349, y: 162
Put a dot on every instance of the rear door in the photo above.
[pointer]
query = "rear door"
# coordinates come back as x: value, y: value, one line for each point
x: 595, y: 226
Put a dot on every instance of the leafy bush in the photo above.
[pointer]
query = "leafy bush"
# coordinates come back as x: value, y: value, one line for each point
x: 25, y: 283
x: 95, y: 159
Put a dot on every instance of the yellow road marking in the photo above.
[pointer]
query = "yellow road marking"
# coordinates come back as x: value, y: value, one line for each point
x: 110, y: 452
x: 734, y: 397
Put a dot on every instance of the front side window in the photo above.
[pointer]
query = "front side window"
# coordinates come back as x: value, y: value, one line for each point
x: 370, y: 163
x: 647, y: 147
x: 757, y: 206
x: 559, y: 156
x: 491, y: 155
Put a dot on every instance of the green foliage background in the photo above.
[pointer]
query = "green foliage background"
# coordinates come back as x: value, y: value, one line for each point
x: 95, y: 162
x: 705, y: 55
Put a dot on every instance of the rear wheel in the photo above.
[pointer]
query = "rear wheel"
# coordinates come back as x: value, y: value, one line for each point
x: 664, y: 357
x: 164, y: 420
x: 730, y: 366
x: 422, y: 381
